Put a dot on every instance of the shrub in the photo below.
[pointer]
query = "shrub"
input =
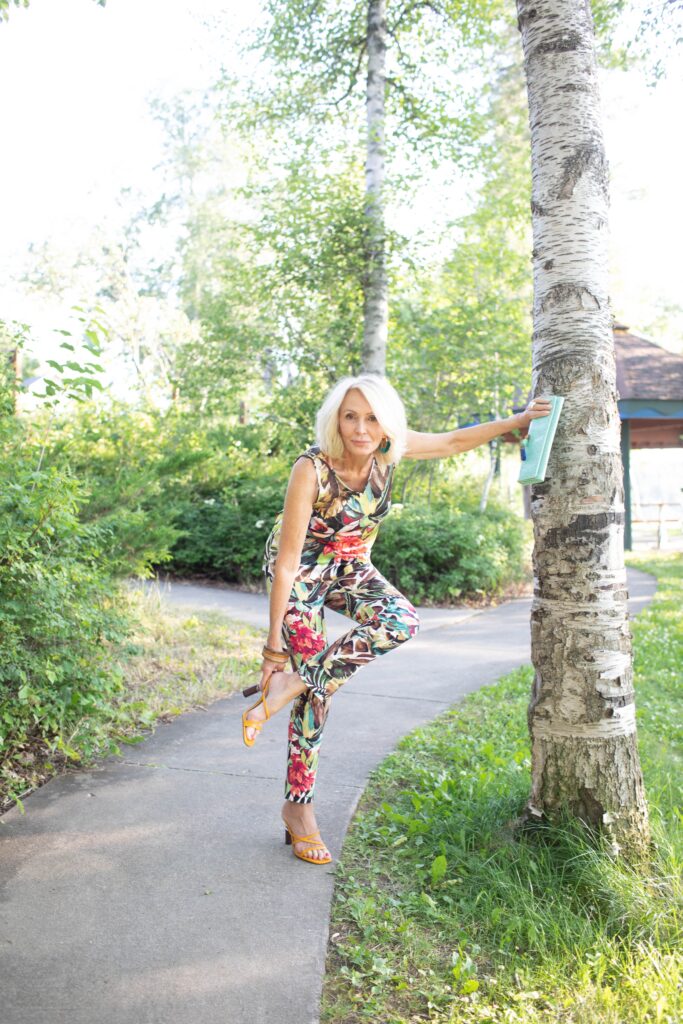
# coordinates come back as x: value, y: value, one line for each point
x: 133, y: 466
x: 435, y: 554
x: 439, y: 554
x: 58, y: 612
x: 225, y: 536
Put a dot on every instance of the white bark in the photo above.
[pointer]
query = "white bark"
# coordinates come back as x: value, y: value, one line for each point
x: 375, y: 304
x: 581, y: 715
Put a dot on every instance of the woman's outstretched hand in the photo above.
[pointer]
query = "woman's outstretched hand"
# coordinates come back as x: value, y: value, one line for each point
x: 536, y: 408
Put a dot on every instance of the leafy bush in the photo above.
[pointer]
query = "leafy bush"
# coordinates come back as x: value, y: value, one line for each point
x: 225, y: 536
x: 58, y: 614
x: 170, y: 489
x: 133, y: 466
x: 439, y: 554
x: 435, y: 555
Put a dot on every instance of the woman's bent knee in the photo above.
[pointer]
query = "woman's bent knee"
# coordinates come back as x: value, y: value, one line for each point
x: 407, y: 623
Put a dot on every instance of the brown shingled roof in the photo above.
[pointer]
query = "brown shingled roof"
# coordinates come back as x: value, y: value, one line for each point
x: 645, y: 370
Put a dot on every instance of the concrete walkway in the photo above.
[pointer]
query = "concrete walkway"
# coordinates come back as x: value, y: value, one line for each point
x: 156, y: 889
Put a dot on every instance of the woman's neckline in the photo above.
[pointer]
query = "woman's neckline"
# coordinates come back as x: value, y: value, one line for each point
x: 354, y: 490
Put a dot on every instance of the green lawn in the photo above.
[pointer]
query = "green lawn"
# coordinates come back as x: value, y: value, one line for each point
x: 442, y: 914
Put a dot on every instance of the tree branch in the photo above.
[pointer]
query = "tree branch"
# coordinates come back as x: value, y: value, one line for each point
x: 354, y: 76
x: 409, y: 8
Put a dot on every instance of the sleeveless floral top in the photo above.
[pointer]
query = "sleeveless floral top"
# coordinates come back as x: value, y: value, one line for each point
x: 344, y: 523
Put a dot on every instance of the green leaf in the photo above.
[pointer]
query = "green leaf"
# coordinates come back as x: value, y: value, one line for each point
x: 439, y: 866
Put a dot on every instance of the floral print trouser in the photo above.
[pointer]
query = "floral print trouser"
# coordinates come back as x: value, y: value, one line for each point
x: 384, y: 620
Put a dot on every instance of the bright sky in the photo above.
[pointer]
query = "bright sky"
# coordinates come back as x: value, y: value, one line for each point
x: 77, y: 128
x: 75, y: 79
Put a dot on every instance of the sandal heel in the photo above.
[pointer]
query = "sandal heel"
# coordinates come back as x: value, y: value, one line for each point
x: 251, y: 690
x: 311, y: 842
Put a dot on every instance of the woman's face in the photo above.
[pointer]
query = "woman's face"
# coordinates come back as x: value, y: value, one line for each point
x: 359, y: 428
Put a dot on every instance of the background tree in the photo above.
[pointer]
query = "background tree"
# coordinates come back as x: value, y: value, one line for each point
x: 582, y: 711
x: 317, y: 53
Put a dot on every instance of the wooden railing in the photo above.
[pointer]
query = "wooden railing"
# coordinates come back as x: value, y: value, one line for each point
x: 660, y: 530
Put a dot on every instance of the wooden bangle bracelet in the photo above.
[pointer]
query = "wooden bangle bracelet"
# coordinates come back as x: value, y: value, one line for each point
x: 278, y: 657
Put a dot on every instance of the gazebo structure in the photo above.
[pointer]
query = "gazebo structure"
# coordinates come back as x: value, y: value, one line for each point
x: 650, y: 403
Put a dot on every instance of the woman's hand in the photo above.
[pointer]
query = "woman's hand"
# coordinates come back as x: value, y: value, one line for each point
x: 267, y: 669
x: 536, y: 408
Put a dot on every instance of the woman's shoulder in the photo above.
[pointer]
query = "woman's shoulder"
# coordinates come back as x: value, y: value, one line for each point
x: 307, y: 466
x: 313, y: 453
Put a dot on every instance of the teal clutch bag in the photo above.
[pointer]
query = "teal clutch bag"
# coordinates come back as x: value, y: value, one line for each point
x: 536, y: 447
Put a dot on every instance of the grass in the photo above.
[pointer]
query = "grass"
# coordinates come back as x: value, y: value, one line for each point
x: 174, y: 661
x: 180, y: 660
x: 442, y: 913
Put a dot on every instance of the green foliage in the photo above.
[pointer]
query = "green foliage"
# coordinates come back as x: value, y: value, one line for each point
x: 279, y: 292
x: 59, y: 619
x: 316, y: 54
x: 440, y: 554
x: 279, y: 298
x: 636, y: 34
x: 202, y: 497
x: 225, y: 536
x: 434, y: 553
x: 8, y: 343
x: 443, y: 911
x: 132, y: 466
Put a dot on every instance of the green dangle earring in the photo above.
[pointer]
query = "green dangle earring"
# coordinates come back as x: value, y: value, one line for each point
x: 385, y: 448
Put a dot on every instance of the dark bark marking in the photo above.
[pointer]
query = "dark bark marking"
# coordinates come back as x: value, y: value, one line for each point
x: 563, y: 43
x: 592, y: 808
x: 582, y: 527
x: 569, y: 297
x: 537, y: 209
x: 525, y: 17
x: 617, y: 702
x: 592, y: 449
x: 585, y: 159
x: 575, y: 87
x: 549, y: 264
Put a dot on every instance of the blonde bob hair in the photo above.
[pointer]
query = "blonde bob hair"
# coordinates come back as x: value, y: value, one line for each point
x: 384, y: 402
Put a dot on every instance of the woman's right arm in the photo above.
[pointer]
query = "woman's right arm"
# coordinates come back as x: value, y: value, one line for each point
x: 302, y: 492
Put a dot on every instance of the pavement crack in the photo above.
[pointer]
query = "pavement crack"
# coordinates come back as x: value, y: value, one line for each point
x: 199, y: 771
x: 221, y: 771
x: 397, y: 696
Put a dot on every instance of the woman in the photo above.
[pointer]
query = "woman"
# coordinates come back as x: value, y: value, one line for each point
x: 318, y: 555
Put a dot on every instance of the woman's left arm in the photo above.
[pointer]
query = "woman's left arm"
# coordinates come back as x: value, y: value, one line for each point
x: 451, y: 442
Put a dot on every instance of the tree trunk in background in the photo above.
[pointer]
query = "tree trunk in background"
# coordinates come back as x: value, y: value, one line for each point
x: 582, y: 712
x: 17, y: 376
x: 375, y: 300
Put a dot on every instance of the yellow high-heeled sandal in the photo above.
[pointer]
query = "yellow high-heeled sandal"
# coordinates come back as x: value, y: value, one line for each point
x: 254, y: 723
x: 312, y: 844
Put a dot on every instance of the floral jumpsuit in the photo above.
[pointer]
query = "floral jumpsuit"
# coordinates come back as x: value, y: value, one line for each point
x: 335, y: 571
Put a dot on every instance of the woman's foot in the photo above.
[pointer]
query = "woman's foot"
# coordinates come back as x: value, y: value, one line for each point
x: 283, y: 687
x: 300, y: 819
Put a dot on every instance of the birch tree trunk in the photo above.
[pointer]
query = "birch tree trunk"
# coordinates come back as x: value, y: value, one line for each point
x: 582, y: 712
x: 375, y: 300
